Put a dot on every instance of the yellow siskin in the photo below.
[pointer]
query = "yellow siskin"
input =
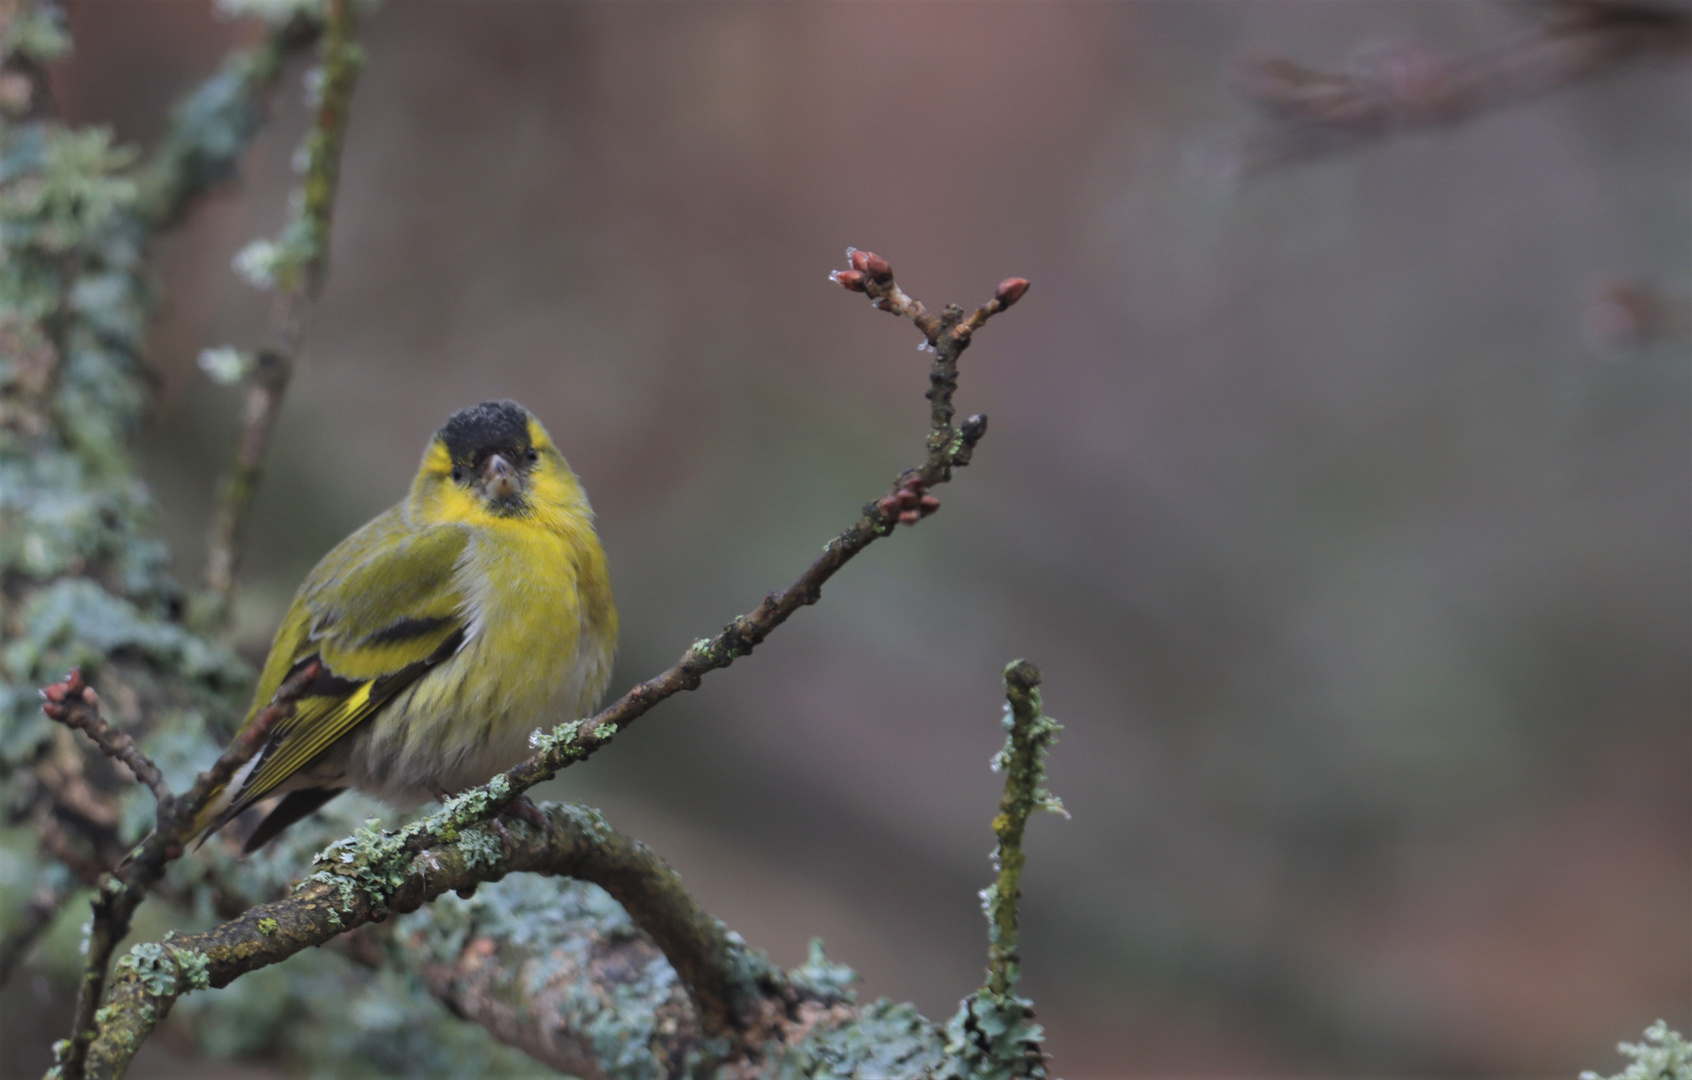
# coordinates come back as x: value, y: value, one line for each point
x: 448, y: 629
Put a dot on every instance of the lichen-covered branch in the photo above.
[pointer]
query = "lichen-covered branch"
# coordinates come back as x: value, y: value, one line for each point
x: 558, y: 970
x: 215, y: 122
x: 370, y: 877
x: 993, y: 1033
x: 294, y: 266
x: 541, y: 989
x: 1023, y: 763
x: 1664, y: 1054
x: 1317, y: 113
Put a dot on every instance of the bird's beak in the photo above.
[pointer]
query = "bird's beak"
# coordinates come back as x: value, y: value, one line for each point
x: 499, y: 481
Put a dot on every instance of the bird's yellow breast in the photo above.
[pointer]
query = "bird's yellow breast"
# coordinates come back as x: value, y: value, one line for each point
x: 540, y: 631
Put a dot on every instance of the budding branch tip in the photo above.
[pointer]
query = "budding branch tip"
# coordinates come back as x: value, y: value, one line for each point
x: 1010, y: 291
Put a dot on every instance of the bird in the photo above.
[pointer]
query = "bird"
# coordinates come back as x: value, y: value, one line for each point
x: 444, y: 631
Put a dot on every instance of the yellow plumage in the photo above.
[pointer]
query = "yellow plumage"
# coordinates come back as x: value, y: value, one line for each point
x: 448, y: 629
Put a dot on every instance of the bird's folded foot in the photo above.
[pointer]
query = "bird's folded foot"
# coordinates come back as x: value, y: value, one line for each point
x: 523, y: 809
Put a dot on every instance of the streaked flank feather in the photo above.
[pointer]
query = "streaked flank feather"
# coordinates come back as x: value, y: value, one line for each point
x: 448, y: 628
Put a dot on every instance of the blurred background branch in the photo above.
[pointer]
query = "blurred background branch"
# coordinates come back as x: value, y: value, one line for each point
x: 292, y: 267
x: 1315, y: 113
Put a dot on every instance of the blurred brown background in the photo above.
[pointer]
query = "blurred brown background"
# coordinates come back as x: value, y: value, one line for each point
x: 1358, y: 572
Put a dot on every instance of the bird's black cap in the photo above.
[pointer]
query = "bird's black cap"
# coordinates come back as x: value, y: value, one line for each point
x: 471, y: 434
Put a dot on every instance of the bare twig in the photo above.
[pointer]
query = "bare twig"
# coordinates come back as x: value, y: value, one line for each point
x: 74, y: 704
x: 1317, y: 113
x: 295, y: 265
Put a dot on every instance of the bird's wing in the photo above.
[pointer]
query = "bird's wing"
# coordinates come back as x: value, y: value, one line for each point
x: 377, y: 612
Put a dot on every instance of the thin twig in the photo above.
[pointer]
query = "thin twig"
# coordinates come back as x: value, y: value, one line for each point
x: 74, y: 704
x: 1318, y: 113
x: 297, y: 269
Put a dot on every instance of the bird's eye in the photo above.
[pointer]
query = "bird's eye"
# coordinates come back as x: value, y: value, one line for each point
x: 457, y: 474
x: 534, y: 455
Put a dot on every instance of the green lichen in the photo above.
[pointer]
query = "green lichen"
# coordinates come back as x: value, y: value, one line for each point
x: 160, y: 968
x: 993, y: 1037
x: 194, y: 967
x: 555, y: 929
x: 325, y: 1017
x: 562, y: 737
x: 73, y: 192
x: 227, y: 366
x: 376, y: 861
x: 480, y: 848
x: 822, y: 978
x: 36, y: 33
x: 1663, y: 1055
x: 886, y: 1041
x: 275, y: 12
x: 88, y: 583
x: 267, y: 926
x: 76, y: 619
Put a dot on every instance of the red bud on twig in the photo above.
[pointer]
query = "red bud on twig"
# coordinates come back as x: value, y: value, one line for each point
x: 1010, y: 291
x: 852, y: 280
x: 871, y: 265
